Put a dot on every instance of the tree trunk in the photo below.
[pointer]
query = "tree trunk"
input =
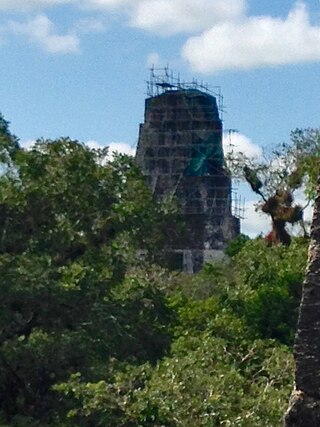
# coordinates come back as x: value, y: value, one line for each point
x: 304, y: 406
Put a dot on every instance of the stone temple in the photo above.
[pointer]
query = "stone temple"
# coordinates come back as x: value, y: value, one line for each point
x: 180, y: 153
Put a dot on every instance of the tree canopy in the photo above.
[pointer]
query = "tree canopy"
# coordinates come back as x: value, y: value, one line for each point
x: 276, y: 177
x: 71, y: 222
x: 92, y: 335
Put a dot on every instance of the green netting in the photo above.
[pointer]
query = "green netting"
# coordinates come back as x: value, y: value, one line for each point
x: 203, y: 157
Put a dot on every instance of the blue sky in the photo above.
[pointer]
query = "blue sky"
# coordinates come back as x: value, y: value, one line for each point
x: 78, y: 67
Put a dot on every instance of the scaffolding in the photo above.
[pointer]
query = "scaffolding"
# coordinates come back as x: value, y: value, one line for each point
x: 163, y: 80
x: 237, y: 205
x: 180, y: 147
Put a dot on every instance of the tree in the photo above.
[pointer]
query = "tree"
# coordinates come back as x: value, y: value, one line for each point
x: 9, y: 144
x: 305, y: 150
x: 304, y: 408
x: 230, y: 360
x: 70, y: 225
x: 276, y: 177
x: 90, y: 335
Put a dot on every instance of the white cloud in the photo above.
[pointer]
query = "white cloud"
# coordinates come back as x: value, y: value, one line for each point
x: 41, y: 31
x: 168, y: 17
x: 113, y: 147
x: 24, y: 5
x: 255, y: 42
x: 119, y: 147
x: 27, y: 145
x: 238, y: 143
x: 254, y: 222
x: 107, y: 4
x: 153, y: 59
x: 164, y: 17
x: 226, y: 37
x: 89, y: 25
x: 300, y: 199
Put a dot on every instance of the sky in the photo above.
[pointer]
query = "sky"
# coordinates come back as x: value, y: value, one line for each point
x: 79, y: 68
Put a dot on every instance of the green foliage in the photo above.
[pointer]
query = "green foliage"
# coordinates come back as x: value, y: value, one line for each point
x: 9, y: 144
x: 235, y: 246
x: 287, y: 167
x: 92, y: 336
x: 276, y: 177
x: 70, y: 224
x: 229, y: 363
x: 306, y: 149
x: 267, y: 288
x: 208, y: 383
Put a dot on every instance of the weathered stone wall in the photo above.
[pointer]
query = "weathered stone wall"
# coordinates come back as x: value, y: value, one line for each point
x: 180, y: 152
